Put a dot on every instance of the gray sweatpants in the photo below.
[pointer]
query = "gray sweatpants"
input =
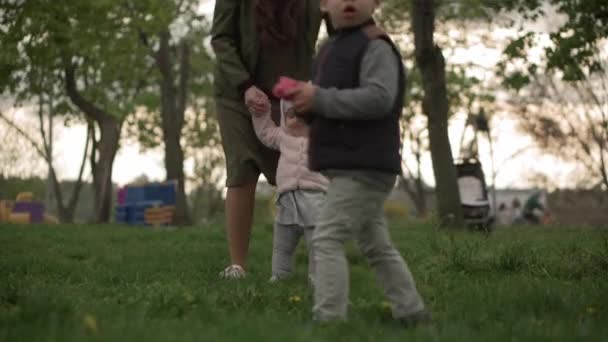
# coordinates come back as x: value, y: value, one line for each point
x: 285, y: 241
x: 354, y: 209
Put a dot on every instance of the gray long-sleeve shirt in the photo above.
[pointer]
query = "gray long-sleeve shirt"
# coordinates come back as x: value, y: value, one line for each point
x: 375, y: 97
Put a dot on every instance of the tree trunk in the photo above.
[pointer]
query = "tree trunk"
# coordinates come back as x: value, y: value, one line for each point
x: 105, y: 148
x: 174, y: 161
x: 173, y: 107
x: 421, y: 199
x: 414, y: 186
x: 93, y: 164
x: 435, y: 106
x: 49, y: 182
x: 416, y: 194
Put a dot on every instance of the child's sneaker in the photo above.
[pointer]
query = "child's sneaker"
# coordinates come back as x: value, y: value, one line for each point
x: 419, y: 318
x: 233, y: 272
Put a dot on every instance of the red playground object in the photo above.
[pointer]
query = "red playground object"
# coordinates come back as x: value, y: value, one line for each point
x: 283, y: 85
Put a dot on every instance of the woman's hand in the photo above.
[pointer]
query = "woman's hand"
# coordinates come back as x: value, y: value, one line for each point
x: 256, y: 101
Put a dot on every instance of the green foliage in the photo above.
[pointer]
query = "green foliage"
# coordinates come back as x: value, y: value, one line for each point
x: 10, y: 187
x: 149, y: 20
x: 113, y: 45
x: 42, y: 39
x: 201, y: 136
x: 560, y: 97
x: 465, y: 92
x: 396, y: 13
x: 74, y: 283
x: 575, y: 45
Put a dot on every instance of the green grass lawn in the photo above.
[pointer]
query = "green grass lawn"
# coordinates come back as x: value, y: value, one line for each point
x: 74, y: 283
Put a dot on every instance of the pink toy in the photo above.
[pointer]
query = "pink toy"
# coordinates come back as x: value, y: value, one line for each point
x: 283, y: 85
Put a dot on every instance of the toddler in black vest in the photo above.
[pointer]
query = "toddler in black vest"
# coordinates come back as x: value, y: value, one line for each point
x: 355, y: 102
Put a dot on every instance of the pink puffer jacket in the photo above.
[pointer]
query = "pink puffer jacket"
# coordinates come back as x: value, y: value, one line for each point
x: 293, y: 172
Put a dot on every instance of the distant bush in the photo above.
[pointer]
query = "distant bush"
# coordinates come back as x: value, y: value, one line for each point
x: 395, y: 210
x: 10, y: 187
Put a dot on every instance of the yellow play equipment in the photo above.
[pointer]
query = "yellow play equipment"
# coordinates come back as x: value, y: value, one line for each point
x: 8, y: 214
x: 25, y: 197
x: 6, y: 207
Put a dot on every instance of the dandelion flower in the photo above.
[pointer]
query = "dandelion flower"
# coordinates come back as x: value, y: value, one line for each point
x: 90, y: 322
x: 386, y: 305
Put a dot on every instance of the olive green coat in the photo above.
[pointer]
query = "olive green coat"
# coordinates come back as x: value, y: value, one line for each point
x: 236, y: 45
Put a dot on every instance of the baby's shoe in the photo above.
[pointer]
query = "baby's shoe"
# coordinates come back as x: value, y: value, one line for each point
x: 233, y: 272
x: 276, y: 277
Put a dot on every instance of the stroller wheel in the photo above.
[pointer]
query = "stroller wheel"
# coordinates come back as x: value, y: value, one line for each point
x: 487, y: 228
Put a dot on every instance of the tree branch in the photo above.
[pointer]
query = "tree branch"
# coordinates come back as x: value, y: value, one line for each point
x: 584, y: 154
x: 49, y: 160
x: 94, y: 149
x: 88, y: 108
x: 586, y: 112
x: 574, y: 132
x: 26, y: 136
x: 76, y: 190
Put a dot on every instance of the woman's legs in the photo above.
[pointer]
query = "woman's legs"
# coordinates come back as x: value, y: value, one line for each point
x: 246, y: 158
x: 240, y: 202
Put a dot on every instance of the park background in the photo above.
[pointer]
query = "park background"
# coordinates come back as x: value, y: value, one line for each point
x: 101, y: 94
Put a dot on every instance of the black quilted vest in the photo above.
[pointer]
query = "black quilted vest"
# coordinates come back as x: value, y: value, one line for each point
x: 354, y: 144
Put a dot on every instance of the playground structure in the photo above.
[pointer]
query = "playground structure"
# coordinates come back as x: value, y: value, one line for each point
x: 24, y: 210
x: 151, y: 204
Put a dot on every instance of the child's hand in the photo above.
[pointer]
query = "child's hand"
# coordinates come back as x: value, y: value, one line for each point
x: 260, y: 109
x: 256, y: 101
x: 302, y: 97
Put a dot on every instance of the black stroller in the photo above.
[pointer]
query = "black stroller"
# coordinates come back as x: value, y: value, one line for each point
x: 474, y: 194
x: 471, y: 179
